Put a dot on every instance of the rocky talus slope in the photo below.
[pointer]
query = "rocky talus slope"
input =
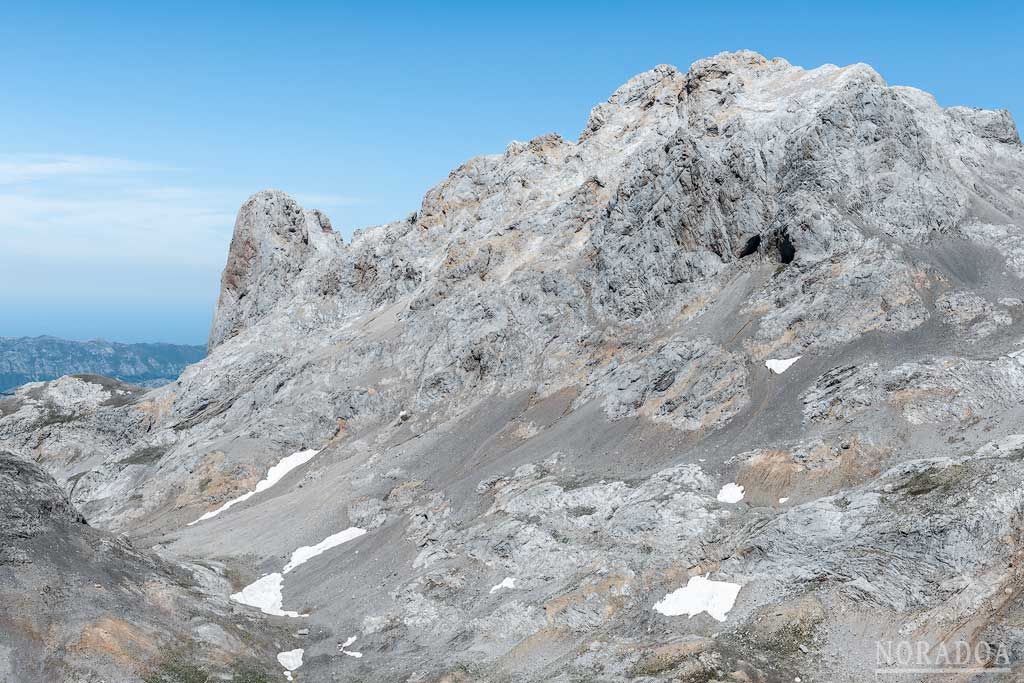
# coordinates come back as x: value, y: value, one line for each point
x: 36, y: 359
x: 731, y: 388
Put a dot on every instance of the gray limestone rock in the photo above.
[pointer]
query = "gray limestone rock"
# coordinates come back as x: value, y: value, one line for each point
x: 78, y: 604
x: 532, y: 392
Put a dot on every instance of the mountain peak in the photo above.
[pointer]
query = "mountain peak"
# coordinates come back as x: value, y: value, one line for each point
x: 272, y: 242
x: 752, y: 336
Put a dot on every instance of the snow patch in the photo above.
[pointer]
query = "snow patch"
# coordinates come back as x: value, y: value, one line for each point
x: 274, y: 475
x: 343, y: 648
x: 290, y: 660
x: 780, y: 366
x: 308, y: 552
x: 782, y: 501
x: 700, y: 595
x: 507, y: 582
x: 265, y: 594
x: 730, y: 493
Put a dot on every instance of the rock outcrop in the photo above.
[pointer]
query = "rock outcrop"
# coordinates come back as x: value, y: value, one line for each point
x: 545, y: 397
x: 272, y: 245
x: 80, y: 605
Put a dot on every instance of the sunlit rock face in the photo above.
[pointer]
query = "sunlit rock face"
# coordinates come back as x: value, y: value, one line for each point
x: 754, y: 342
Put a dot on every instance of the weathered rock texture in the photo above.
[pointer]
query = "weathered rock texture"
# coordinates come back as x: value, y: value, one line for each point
x: 549, y: 371
x: 82, y: 605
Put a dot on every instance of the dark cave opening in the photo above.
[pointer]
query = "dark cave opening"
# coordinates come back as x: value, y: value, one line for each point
x: 786, y: 249
x: 751, y: 246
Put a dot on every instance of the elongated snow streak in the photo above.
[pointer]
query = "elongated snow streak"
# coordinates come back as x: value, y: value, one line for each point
x: 265, y: 594
x: 700, y: 594
x: 308, y: 552
x: 344, y: 648
x: 730, y: 493
x: 780, y: 366
x: 274, y: 475
x: 507, y: 582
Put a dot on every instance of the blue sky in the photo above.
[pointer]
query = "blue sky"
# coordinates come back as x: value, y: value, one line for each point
x: 131, y: 132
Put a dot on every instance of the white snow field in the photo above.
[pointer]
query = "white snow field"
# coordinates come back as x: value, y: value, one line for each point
x: 507, y: 582
x: 730, y: 493
x: 308, y: 552
x: 274, y: 475
x: 290, y: 660
x: 700, y: 594
x: 780, y: 366
x: 265, y: 594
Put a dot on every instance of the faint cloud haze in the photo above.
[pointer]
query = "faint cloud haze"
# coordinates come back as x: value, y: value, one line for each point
x: 56, y: 209
x: 29, y: 167
x: 110, y: 240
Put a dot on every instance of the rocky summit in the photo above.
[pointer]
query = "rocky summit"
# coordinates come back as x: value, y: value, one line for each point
x: 731, y: 388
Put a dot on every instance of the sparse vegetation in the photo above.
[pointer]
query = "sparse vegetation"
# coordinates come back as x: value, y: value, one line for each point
x: 179, y: 667
x: 935, y: 478
x: 248, y: 673
x: 176, y: 668
x: 52, y: 416
x: 145, y: 456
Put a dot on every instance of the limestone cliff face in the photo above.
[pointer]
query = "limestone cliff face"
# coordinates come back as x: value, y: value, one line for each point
x: 274, y: 238
x: 668, y: 182
x: 550, y: 371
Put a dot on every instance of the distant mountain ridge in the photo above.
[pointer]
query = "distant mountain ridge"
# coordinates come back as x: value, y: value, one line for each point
x: 35, y: 359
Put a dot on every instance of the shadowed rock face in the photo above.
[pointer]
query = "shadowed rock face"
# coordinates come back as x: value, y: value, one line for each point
x: 81, y: 605
x: 32, y: 502
x: 550, y: 372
